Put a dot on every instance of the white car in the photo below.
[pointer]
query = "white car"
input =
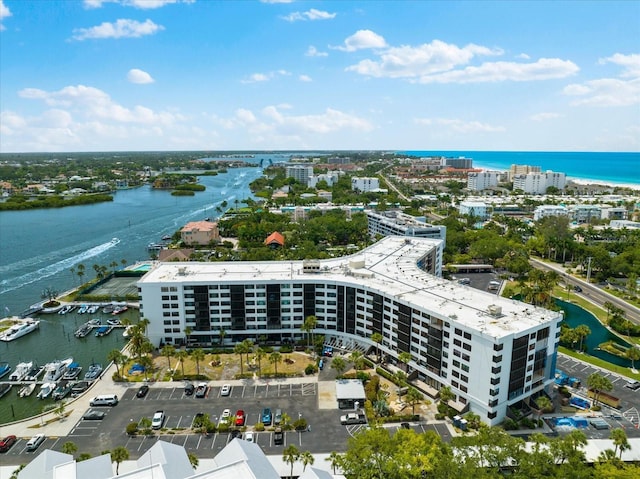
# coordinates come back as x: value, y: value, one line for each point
x: 158, y: 420
x: 35, y: 441
x: 226, y: 415
x: 248, y: 436
x: 226, y: 390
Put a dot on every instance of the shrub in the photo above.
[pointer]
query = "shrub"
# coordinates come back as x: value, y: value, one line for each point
x: 300, y: 424
x: 509, y: 425
x: 223, y: 427
x: 259, y: 427
x: 596, y: 408
x: 528, y: 423
x: 132, y: 428
x: 287, y: 348
x: 311, y: 369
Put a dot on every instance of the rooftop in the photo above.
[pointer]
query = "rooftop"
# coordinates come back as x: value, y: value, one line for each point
x: 390, y: 267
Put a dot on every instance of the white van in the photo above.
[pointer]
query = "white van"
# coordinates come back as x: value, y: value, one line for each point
x: 104, y: 400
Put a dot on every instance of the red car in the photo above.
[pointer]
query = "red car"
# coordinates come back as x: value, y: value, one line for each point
x: 240, y: 417
x: 6, y: 443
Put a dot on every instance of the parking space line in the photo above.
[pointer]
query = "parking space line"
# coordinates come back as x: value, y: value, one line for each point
x: 215, y: 436
x: 141, y: 443
x: 243, y: 388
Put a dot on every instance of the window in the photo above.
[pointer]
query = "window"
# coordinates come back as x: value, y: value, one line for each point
x: 458, y: 332
x: 497, y: 359
x: 467, y: 336
x: 498, y: 347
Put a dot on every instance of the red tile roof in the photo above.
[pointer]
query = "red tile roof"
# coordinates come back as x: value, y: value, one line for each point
x: 274, y: 238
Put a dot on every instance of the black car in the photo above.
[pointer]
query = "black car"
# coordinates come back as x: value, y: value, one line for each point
x: 142, y: 392
x: 577, y: 289
x: 405, y: 425
x: 94, y: 415
x: 189, y: 388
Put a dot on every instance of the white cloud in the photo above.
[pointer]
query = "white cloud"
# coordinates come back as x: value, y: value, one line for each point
x: 523, y: 56
x: 140, y: 4
x: 245, y: 116
x: 544, y: 116
x: 623, y: 91
x: 426, y: 59
x: 4, y: 13
x: 122, y: 28
x: 94, y: 103
x: 460, y: 126
x: 305, y: 78
x: 312, y: 14
x: 543, y: 69
x: 361, y: 40
x: 262, y: 77
x: 631, y: 63
x: 313, y: 52
x: 139, y: 76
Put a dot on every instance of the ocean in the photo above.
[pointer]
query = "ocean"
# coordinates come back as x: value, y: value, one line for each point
x: 617, y: 168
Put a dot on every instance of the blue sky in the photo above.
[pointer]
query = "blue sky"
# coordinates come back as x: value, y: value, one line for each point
x: 103, y: 75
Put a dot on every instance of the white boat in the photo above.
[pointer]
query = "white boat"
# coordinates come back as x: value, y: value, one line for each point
x: 45, y: 390
x: 55, y: 369
x: 34, y: 373
x: 93, y: 372
x: 20, y: 371
x: 73, y: 371
x: 127, y: 330
x: 18, y: 330
x: 27, y: 390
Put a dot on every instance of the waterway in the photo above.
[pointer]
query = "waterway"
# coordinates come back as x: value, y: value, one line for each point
x: 38, y: 248
x: 575, y: 316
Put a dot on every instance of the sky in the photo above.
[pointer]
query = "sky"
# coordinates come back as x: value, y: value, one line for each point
x: 138, y: 75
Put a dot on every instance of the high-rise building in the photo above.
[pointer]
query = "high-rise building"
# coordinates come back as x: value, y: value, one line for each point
x: 300, y: 173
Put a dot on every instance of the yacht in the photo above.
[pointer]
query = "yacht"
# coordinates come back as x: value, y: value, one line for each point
x: 45, y: 390
x: 55, y: 369
x: 73, y: 371
x: 61, y: 391
x: 18, y: 330
x: 34, y: 373
x: 4, y: 368
x: 27, y: 390
x: 93, y: 372
x: 83, y: 330
x: 21, y: 371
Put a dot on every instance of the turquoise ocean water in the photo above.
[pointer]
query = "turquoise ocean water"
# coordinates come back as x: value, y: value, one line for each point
x: 612, y: 167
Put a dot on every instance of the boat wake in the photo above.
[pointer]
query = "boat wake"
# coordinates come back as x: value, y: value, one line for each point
x: 12, y: 284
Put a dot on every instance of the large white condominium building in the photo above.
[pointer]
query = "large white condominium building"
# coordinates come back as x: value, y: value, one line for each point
x: 300, y: 173
x: 481, y: 180
x: 364, y: 184
x: 537, y: 183
x: 522, y: 170
x: 492, y: 352
x: 396, y: 223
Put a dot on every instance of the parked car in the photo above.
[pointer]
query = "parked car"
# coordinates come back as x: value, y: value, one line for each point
x: 226, y: 390
x: 224, y: 417
x: 7, y: 442
x: 158, y: 420
x: 94, y: 415
x: 35, y: 442
x: 240, y: 418
x: 235, y: 433
x: 277, y: 417
x: 142, y: 392
x: 633, y: 385
x: 352, y: 418
x: 278, y: 437
x: 189, y: 388
x: 201, y: 390
x: 266, y: 416
x: 248, y: 436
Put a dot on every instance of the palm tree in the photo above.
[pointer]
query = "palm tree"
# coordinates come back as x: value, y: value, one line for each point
x: 357, y: 359
x: 114, y: 265
x: 147, y: 363
x: 307, y: 459
x: 582, y: 331
x: 404, y: 357
x: 598, y: 383
x: 620, y: 441
x: 198, y: 355
x: 168, y: 351
x: 309, y: 325
x: 290, y: 455
x: 260, y: 354
x: 413, y: 397
x: 446, y: 395
x: 275, y: 358
x: 239, y: 349
x: 377, y: 338
x: 80, y: 272
x: 335, y: 459
x: 222, y: 333
x: 115, y: 355
x: 118, y: 455
x: 182, y: 355
x: 247, y: 345
x: 339, y: 365
x: 633, y: 354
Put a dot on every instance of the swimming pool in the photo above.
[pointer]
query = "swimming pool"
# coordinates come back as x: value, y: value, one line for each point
x: 577, y: 422
x: 144, y: 267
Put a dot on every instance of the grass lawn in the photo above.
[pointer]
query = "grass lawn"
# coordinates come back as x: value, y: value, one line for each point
x: 599, y: 362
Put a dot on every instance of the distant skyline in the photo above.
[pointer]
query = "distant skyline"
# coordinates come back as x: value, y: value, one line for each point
x: 137, y: 75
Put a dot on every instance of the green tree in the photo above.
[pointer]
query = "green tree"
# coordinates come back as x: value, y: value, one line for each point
x: 598, y: 383
x: 116, y: 356
x: 182, y: 355
x: 620, y: 441
x: 69, y: 447
x: 446, y: 395
x: 147, y: 363
x: 358, y: 359
x: 118, y: 455
x: 307, y: 459
x: 404, y: 357
x: 308, y: 326
x: 260, y: 355
x: 290, y: 455
x: 633, y: 354
x: 543, y: 403
x: 339, y: 364
x: 198, y: 356
x: 335, y: 459
x: 240, y: 349
x: 168, y: 351
x: 413, y: 398
x: 275, y: 358
x: 582, y: 331
x: 187, y: 333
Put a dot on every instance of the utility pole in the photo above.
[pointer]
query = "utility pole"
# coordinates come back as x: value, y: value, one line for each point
x: 589, y: 269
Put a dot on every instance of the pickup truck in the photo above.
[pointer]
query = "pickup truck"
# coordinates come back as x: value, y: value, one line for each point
x: 352, y: 418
